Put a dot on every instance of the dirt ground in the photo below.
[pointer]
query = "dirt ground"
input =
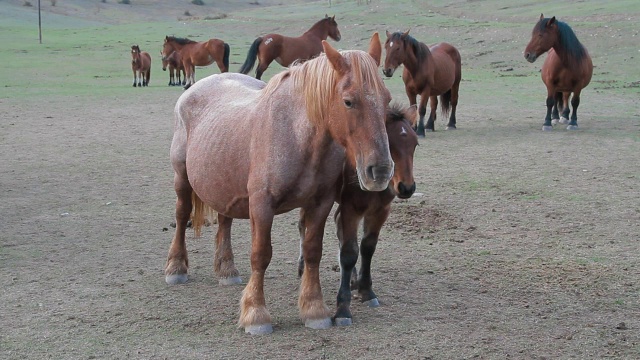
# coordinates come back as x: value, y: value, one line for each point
x: 519, y: 244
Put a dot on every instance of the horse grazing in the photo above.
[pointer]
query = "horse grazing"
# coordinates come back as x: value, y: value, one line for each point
x: 197, y: 54
x: 174, y: 63
x: 567, y: 69
x: 141, y: 66
x: 429, y: 71
x: 374, y: 208
x: 232, y: 126
x: 285, y: 50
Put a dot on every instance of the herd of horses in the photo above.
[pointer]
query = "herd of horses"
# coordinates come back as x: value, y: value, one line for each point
x: 319, y: 132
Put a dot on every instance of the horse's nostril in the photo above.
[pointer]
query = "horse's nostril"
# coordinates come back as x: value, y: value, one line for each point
x: 405, y: 192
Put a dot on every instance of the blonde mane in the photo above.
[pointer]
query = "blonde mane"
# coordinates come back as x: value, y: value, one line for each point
x: 316, y: 80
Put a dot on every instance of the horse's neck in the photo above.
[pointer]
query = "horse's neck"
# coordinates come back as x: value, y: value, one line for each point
x: 317, y: 30
x: 411, y: 60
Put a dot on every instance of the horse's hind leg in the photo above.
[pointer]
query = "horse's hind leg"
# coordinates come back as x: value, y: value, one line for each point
x: 564, y: 119
x: 454, y: 105
x: 372, y: 225
x: 347, y: 229
x: 555, y: 112
x: 177, y: 261
x: 575, y: 102
x: 223, y: 264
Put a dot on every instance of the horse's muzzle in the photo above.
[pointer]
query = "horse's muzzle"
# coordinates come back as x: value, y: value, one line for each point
x: 376, y: 177
x: 405, y: 192
x: 531, y: 57
x: 388, y: 72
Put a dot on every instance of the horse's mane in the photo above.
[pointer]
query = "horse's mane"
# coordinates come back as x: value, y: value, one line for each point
x: 420, y: 50
x: 181, y: 41
x: 316, y: 80
x: 568, y: 40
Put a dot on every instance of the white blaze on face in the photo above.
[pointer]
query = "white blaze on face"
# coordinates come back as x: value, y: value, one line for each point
x: 391, y: 44
x: 403, y: 131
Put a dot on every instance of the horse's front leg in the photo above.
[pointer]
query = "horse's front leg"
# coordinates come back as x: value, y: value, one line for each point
x: 575, y: 102
x: 564, y: 119
x: 372, y: 225
x: 135, y: 83
x: 254, y: 316
x: 177, y: 261
x: 550, y: 102
x: 188, y: 74
x: 347, y: 222
x: 433, y: 102
x: 313, y: 310
x: 223, y: 264
x: 301, y: 231
x: 422, y: 111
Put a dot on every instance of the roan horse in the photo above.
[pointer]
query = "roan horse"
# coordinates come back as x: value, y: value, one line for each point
x: 567, y: 69
x: 141, y: 66
x: 429, y: 71
x: 374, y: 207
x: 174, y: 63
x: 197, y: 54
x: 246, y: 150
x: 285, y: 50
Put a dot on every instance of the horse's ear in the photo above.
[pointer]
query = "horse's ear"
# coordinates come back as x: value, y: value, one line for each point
x: 375, y: 48
x: 541, y: 16
x: 551, y: 21
x: 388, y: 34
x: 412, y: 114
x: 338, y: 62
x: 405, y: 34
x: 333, y: 18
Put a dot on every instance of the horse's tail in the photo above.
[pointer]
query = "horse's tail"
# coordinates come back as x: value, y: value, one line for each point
x: 225, y: 58
x: 445, y: 103
x: 251, y: 57
x: 148, y: 75
x: 200, y: 213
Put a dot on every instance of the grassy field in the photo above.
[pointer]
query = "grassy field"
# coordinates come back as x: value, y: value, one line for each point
x: 520, y: 244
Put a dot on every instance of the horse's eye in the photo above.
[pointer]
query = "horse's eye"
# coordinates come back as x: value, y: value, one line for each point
x: 348, y: 103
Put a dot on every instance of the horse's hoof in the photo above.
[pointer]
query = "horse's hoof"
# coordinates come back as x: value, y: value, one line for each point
x: 373, y: 303
x: 259, y: 329
x: 547, y: 128
x: 343, y: 321
x: 230, y: 281
x: 175, y: 279
x: 572, y: 127
x: 318, y: 324
x: 554, y: 121
x: 563, y: 120
x: 451, y: 128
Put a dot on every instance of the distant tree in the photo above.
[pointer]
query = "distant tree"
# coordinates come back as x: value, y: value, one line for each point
x: 197, y: 2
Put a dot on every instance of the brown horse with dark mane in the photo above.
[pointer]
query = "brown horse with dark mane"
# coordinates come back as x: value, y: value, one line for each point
x: 285, y: 50
x: 174, y: 63
x: 374, y: 207
x: 197, y: 54
x: 141, y: 66
x: 429, y: 71
x: 252, y: 150
x: 567, y: 69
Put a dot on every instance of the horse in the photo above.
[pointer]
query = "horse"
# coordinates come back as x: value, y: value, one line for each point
x: 174, y: 63
x: 243, y: 149
x: 141, y: 66
x: 197, y: 54
x: 374, y: 207
x: 429, y: 71
x: 567, y: 69
x: 285, y: 50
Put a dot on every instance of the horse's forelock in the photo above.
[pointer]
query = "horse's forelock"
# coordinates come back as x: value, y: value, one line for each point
x: 395, y: 112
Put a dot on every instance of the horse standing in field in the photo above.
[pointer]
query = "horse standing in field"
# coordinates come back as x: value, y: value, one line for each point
x: 250, y: 150
x: 429, y: 71
x: 374, y: 207
x: 174, y: 63
x: 567, y: 69
x: 141, y: 66
x: 197, y: 54
x: 285, y: 50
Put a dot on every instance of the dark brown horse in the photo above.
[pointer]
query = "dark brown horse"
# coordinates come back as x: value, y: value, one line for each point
x: 285, y: 50
x: 429, y: 71
x: 252, y: 150
x: 374, y: 207
x: 197, y: 54
x: 174, y: 63
x: 141, y: 66
x: 567, y: 69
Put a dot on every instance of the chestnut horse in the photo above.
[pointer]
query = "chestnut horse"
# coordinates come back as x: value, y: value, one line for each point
x: 197, y: 54
x: 285, y: 50
x: 374, y: 208
x: 567, y: 69
x: 232, y: 126
x: 141, y: 66
x: 429, y: 71
x: 174, y: 63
